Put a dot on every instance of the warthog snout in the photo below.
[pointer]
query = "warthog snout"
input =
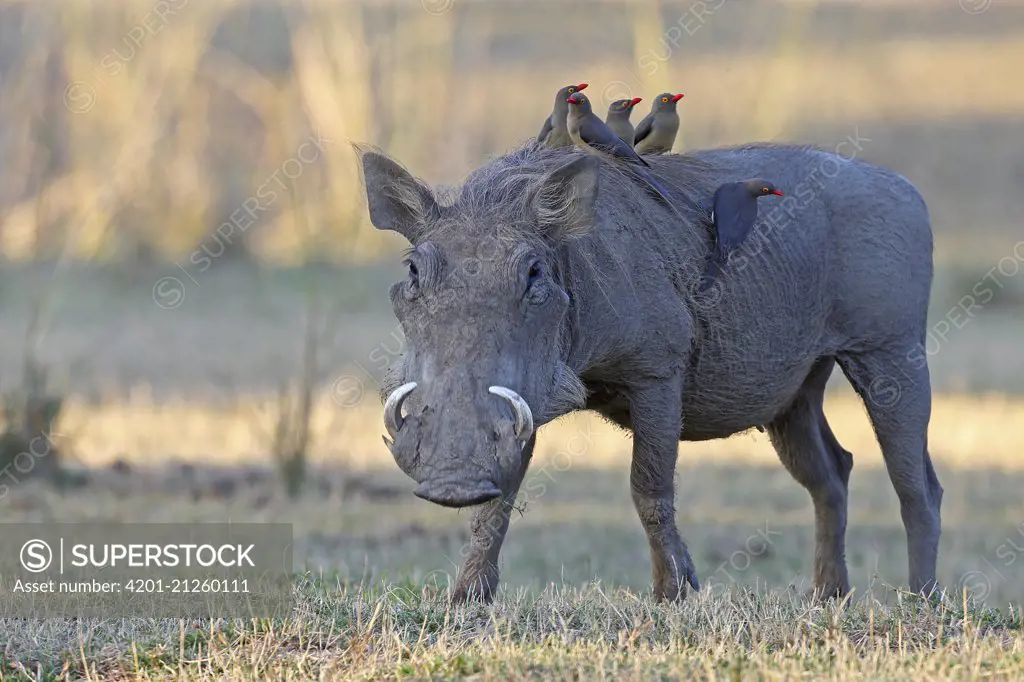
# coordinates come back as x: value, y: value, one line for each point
x: 459, y: 459
x: 455, y: 493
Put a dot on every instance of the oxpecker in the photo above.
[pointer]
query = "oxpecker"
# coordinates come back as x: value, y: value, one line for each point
x: 592, y: 134
x: 733, y: 213
x: 554, y: 133
x: 656, y: 133
x: 618, y: 118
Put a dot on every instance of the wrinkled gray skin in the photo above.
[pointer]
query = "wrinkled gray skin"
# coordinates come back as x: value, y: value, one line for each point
x: 581, y: 294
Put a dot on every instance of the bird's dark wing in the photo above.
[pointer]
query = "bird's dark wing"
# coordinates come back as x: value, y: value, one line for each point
x: 595, y: 133
x: 643, y: 129
x: 545, y: 130
x: 735, y: 212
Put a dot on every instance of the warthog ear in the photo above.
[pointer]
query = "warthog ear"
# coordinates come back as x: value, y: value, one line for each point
x: 397, y: 201
x: 566, y: 201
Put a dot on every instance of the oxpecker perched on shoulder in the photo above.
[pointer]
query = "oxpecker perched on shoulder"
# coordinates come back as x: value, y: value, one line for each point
x: 733, y: 214
x: 656, y: 132
x: 618, y: 118
x: 554, y: 133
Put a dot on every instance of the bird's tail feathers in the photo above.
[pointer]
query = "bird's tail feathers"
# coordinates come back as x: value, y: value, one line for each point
x: 662, y: 191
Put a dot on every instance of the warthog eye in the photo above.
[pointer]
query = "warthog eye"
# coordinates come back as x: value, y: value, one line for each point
x: 414, y: 278
x: 536, y: 292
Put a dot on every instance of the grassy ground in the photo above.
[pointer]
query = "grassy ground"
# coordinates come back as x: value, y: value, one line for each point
x: 590, y: 633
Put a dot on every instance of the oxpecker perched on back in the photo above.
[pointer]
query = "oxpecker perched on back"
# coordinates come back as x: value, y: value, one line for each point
x: 733, y: 213
x: 593, y: 135
x: 618, y: 118
x: 554, y: 133
x: 656, y: 132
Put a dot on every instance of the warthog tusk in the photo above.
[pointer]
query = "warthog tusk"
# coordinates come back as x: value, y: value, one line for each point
x: 393, y: 419
x: 524, y: 417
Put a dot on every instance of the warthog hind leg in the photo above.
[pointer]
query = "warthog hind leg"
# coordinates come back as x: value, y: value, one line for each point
x: 897, y: 394
x: 812, y: 455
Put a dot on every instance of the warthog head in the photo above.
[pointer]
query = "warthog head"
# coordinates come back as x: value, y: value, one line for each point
x: 482, y: 309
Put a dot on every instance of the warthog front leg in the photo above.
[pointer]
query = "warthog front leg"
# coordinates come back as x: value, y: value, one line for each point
x: 478, y: 578
x: 656, y: 411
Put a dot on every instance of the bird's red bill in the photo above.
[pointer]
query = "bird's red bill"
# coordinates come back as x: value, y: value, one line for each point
x: 636, y: 100
x: 677, y: 97
x: 778, y: 193
x: 581, y: 86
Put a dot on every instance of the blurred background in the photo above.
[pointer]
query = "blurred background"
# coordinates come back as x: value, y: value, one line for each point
x: 194, y: 304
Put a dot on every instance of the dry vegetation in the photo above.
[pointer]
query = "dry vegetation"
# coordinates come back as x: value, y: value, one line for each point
x: 562, y: 633
x: 127, y: 140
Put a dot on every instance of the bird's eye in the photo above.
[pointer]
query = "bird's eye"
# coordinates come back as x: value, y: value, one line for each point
x: 572, y: 90
x: 664, y: 99
x: 765, y: 190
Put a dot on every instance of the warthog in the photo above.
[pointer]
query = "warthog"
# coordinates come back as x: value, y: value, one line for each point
x: 552, y: 281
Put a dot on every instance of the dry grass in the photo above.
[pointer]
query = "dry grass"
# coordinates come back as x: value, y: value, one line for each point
x: 592, y: 633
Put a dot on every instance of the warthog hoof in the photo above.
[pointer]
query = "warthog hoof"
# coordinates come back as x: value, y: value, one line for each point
x: 480, y: 588
x: 671, y: 580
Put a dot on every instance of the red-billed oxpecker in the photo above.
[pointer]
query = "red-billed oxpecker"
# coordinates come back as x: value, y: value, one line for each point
x: 656, y: 132
x: 618, y: 118
x: 733, y: 213
x: 554, y: 133
x: 592, y: 134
